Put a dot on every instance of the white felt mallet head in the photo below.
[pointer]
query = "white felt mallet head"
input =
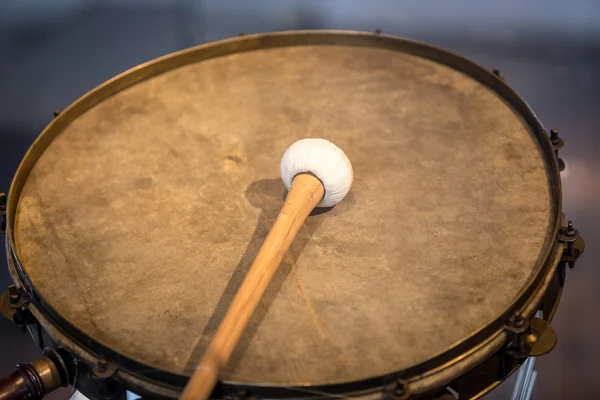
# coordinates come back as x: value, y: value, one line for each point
x: 324, y: 160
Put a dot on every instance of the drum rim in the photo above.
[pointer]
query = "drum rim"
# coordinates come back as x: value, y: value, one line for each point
x: 544, y: 265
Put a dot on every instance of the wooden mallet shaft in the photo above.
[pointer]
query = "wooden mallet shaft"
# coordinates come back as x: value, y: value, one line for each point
x: 305, y: 193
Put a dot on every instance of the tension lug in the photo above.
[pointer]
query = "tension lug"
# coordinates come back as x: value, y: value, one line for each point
x: 574, y: 245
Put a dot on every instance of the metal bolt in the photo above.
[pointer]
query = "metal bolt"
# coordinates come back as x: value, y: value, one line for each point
x: 496, y: 71
x: 2, y: 212
x: 553, y: 134
x: 518, y: 321
x: 561, y: 164
x: 56, y: 112
x: 570, y: 229
x: 102, y: 366
x: 242, y: 34
x: 399, y: 390
x: 378, y: 31
x: 14, y: 294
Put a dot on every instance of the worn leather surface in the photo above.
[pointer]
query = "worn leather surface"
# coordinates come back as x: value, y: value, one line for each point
x: 139, y: 221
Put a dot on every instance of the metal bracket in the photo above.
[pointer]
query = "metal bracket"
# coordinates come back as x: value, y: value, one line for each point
x: 104, y: 370
x: 13, y: 306
x: 557, y: 144
x: 2, y: 213
x: 541, y: 337
x: 496, y: 72
x: 531, y: 338
x: 59, y: 357
x: 397, y: 390
x: 573, y: 242
x: 518, y: 326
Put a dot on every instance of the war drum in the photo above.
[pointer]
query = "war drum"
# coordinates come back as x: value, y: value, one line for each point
x: 135, y: 216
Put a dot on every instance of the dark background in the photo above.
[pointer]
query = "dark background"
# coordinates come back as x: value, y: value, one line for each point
x: 52, y: 52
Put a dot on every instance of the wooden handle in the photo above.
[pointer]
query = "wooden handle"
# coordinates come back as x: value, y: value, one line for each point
x: 305, y: 193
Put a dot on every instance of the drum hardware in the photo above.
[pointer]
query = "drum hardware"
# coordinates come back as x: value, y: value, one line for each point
x: 13, y: 305
x: 561, y: 274
x: 557, y: 143
x: 378, y: 31
x: 496, y: 72
x: 56, y: 113
x: 448, y: 394
x: 574, y: 244
x: 111, y: 389
x: 105, y: 388
x: 13, y: 293
x: 398, y: 390
x: 518, y: 327
x: 517, y: 323
x: 475, y: 383
x: 2, y: 204
x: 525, y: 381
x: 34, y: 380
x: 2, y: 213
x: 103, y: 369
x: 531, y: 338
x: 541, y: 338
x: 64, y: 363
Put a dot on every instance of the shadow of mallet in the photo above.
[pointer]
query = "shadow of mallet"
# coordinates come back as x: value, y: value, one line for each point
x: 317, y: 174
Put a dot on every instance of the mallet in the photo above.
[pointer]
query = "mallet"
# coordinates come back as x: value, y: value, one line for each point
x: 317, y: 174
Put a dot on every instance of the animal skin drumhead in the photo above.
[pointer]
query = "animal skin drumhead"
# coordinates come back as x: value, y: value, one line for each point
x: 139, y: 221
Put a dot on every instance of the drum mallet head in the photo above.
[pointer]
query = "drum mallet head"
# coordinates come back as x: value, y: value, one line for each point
x: 317, y: 174
x: 324, y: 160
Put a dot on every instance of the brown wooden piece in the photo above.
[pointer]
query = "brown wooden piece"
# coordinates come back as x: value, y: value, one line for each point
x: 306, y: 191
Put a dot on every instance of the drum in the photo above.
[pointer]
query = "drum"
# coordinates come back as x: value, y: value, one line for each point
x: 134, y: 217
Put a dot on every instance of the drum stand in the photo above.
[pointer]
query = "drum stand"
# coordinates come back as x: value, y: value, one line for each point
x: 78, y: 396
x: 525, y: 381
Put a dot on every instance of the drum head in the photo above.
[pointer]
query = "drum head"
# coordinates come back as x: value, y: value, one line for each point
x: 139, y: 221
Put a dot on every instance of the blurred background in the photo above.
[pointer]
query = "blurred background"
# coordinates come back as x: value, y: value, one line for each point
x: 51, y: 53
